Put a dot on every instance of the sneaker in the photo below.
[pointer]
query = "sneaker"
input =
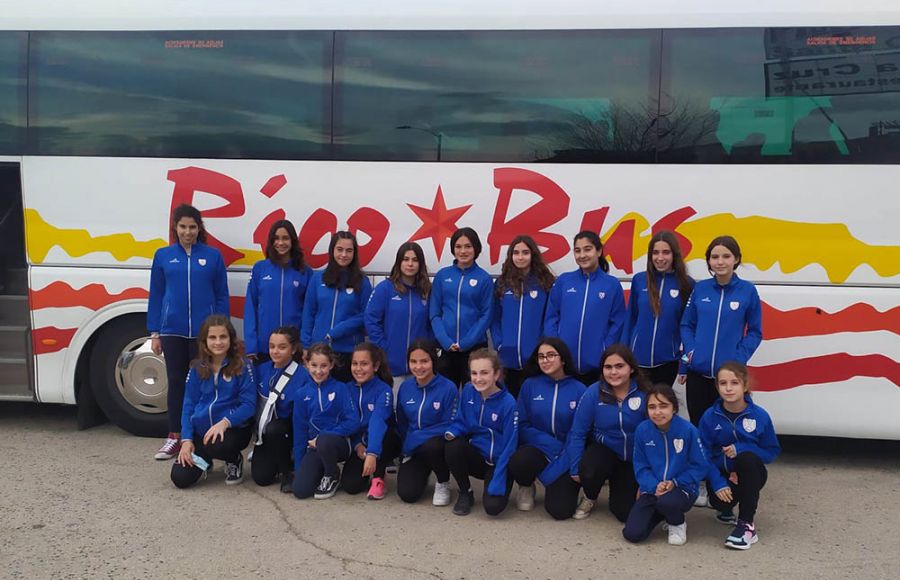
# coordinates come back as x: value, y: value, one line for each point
x: 234, y: 472
x: 169, y: 449
x: 327, y: 487
x: 464, y: 503
x: 441, y: 494
x: 584, y: 508
x: 702, y: 498
x: 376, y: 488
x: 728, y: 518
x: 287, y: 482
x: 678, y: 534
x: 525, y: 498
x: 742, y: 537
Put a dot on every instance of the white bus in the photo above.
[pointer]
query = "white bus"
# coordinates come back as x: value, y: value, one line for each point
x: 777, y: 122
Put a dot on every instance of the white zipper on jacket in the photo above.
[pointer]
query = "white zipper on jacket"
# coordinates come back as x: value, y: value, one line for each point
x: 409, y: 320
x: 216, y: 398
x: 334, y: 309
x: 662, y: 287
x: 581, y: 324
x: 281, y: 300
x: 666, y: 446
x: 458, y: 294
x: 319, y: 392
x: 712, y: 362
x: 553, y: 409
x: 622, y: 429
x: 422, y: 404
x: 490, y: 431
x: 190, y: 315
x: 361, y: 415
x: 519, y: 334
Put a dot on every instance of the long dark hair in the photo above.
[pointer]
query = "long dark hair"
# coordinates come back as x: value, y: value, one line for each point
x: 429, y: 347
x: 533, y: 369
x: 204, y: 357
x: 594, y: 239
x: 187, y: 211
x: 511, y: 278
x: 296, y: 260
x: 292, y: 334
x: 421, y: 282
x: 332, y: 276
x: 685, y: 282
x: 379, y: 359
x: 472, y: 236
x: 623, y: 351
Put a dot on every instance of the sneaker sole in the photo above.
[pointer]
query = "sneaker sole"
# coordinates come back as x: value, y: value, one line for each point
x: 164, y: 456
x: 579, y: 516
x: 525, y: 508
x: 376, y: 497
x: 440, y: 503
x: 733, y: 546
x: 325, y: 495
x: 234, y: 481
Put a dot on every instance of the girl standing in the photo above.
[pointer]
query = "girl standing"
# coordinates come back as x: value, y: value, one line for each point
x: 520, y: 302
x: 668, y: 464
x: 397, y: 313
x: 425, y: 405
x: 609, y: 412
x: 586, y: 307
x: 335, y: 301
x: 546, y: 407
x: 483, y: 436
x: 219, y: 400
x: 740, y: 439
x: 655, y: 307
x: 276, y: 290
x: 187, y: 284
x: 460, y: 307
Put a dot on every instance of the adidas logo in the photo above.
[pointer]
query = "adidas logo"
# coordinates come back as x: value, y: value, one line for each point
x: 705, y: 299
x: 650, y: 444
x: 718, y: 427
x: 448, y: 279
x: 572, y: 290
x: 538, y: 398
x: 470, y: 401
x: 411, y: 402
x: 397, y: 298
x: 267, y: 277
x: 174, y: 261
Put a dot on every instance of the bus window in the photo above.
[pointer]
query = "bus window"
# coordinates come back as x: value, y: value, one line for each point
x: 12, y: 92
x: 181, y: 94
x: 781, y: 95
x: 503, y: 96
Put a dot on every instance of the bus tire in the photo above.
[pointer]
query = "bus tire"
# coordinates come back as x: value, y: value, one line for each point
x: 128, y: 380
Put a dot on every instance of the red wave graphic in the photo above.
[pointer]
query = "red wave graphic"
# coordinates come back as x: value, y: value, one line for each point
x: 832, y: 368
x: 236, y: 305
x: 811, y: 321
x: 93, y: 296
x: 51, y: 339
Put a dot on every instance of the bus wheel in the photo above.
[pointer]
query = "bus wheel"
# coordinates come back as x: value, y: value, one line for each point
x: 128, y: 380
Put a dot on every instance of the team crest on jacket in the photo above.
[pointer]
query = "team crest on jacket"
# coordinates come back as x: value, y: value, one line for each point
x: 634, y: 403
x: 201, y: 261
x: 296, y: 283
x: 473, y: 282
x: 734, y: 304
x: 533, y: 294
x: 678, y: 444
x: 573, y: 404
x: 494, y: 416
x: 371, y: 406
x: 602, y: 295
x: 749, y: 425
x: 349, y: 290
x: 331, y: 396
x: 673, y: 293
x: 436, y: 405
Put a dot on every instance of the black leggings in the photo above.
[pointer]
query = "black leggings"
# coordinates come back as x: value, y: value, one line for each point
x: 228, y: 449
x: 412, y: 476
x: 752, y: 477
x: 179, y: 352
x: 465, y: 460
x: 352, y: 479
x: 588, y: 378
x: 319, y: 462
x: 664, y: 373
x: 599, y: 464
x: 341, y: 370
x: 701, y: 394
x: 560, y: 497
x: 455, y: 365
x: 273, y: 455
x: 513, y: 379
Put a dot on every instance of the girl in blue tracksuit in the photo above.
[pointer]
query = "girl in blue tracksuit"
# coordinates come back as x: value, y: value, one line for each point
x: 325, y: 417
x: 520, y: 302
x: 722, y: 321
x: 546, y: 407
x: 425, y: 405
x: 669, y: 464
x: 586, y: 307
x: 397, y: 312
x: 335, y: 302
x: 187, y: 284
x: 274, y: 429
x: 607, y: 416
x: 376, y: 444
x: 460, y: 306
x: 483, y: 436
x: 219, y: 401
x: 739, y: 439
x: 276, y: 290
x: 655, y: 307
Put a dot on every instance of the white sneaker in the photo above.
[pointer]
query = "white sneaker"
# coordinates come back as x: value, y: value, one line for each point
x: 702, y: 499
x: 678, y: 534
x: 525, y: 498
x: 584, y: 508
x: 442, y: 494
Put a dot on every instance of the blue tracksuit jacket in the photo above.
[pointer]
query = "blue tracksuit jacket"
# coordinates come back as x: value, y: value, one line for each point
x: 334, y: 312
x: 675, y: 455
x: 491, y: 426
x: 654, y: 340
x: 208, y: 401
x: 587, y: 311
x: 461, y: 306
x: 185, y: 290
x: 394, y: 319
x: 714, y: 323
x: 375, y: 403
x: 274, y: 298
x: 267, y: 377
x: 546, y: 412
x: 424, y: 412
x: 518, y: 324
x: 329, y: 409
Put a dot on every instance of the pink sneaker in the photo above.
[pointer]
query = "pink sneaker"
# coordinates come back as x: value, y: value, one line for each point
x: 376, y: 489
x: 169, y: 449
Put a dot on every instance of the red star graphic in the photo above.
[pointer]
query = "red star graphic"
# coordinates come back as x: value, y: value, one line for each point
x: 438, y: 223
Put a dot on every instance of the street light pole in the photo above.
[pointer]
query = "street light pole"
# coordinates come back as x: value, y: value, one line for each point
x: 437, y: 135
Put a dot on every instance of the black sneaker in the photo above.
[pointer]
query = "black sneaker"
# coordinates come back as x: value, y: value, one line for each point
x: 287, y: 482
x: 464, y: 503
x: 327, y: 487
x: 234, y: 472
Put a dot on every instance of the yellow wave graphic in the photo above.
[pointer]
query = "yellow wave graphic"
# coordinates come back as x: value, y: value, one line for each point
x: 250, y: 257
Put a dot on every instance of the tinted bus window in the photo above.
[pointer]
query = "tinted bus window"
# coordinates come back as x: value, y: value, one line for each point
x: 798, y: 95
x: 578, y: 96
x: 13, y: 47
x: 181, y: 94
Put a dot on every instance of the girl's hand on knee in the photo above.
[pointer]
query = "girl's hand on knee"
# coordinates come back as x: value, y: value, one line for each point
x: 725, y: 495
x: 184, y: 456
x: 729, y: 451
x: 361, y: 451
x: 369, y: 465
